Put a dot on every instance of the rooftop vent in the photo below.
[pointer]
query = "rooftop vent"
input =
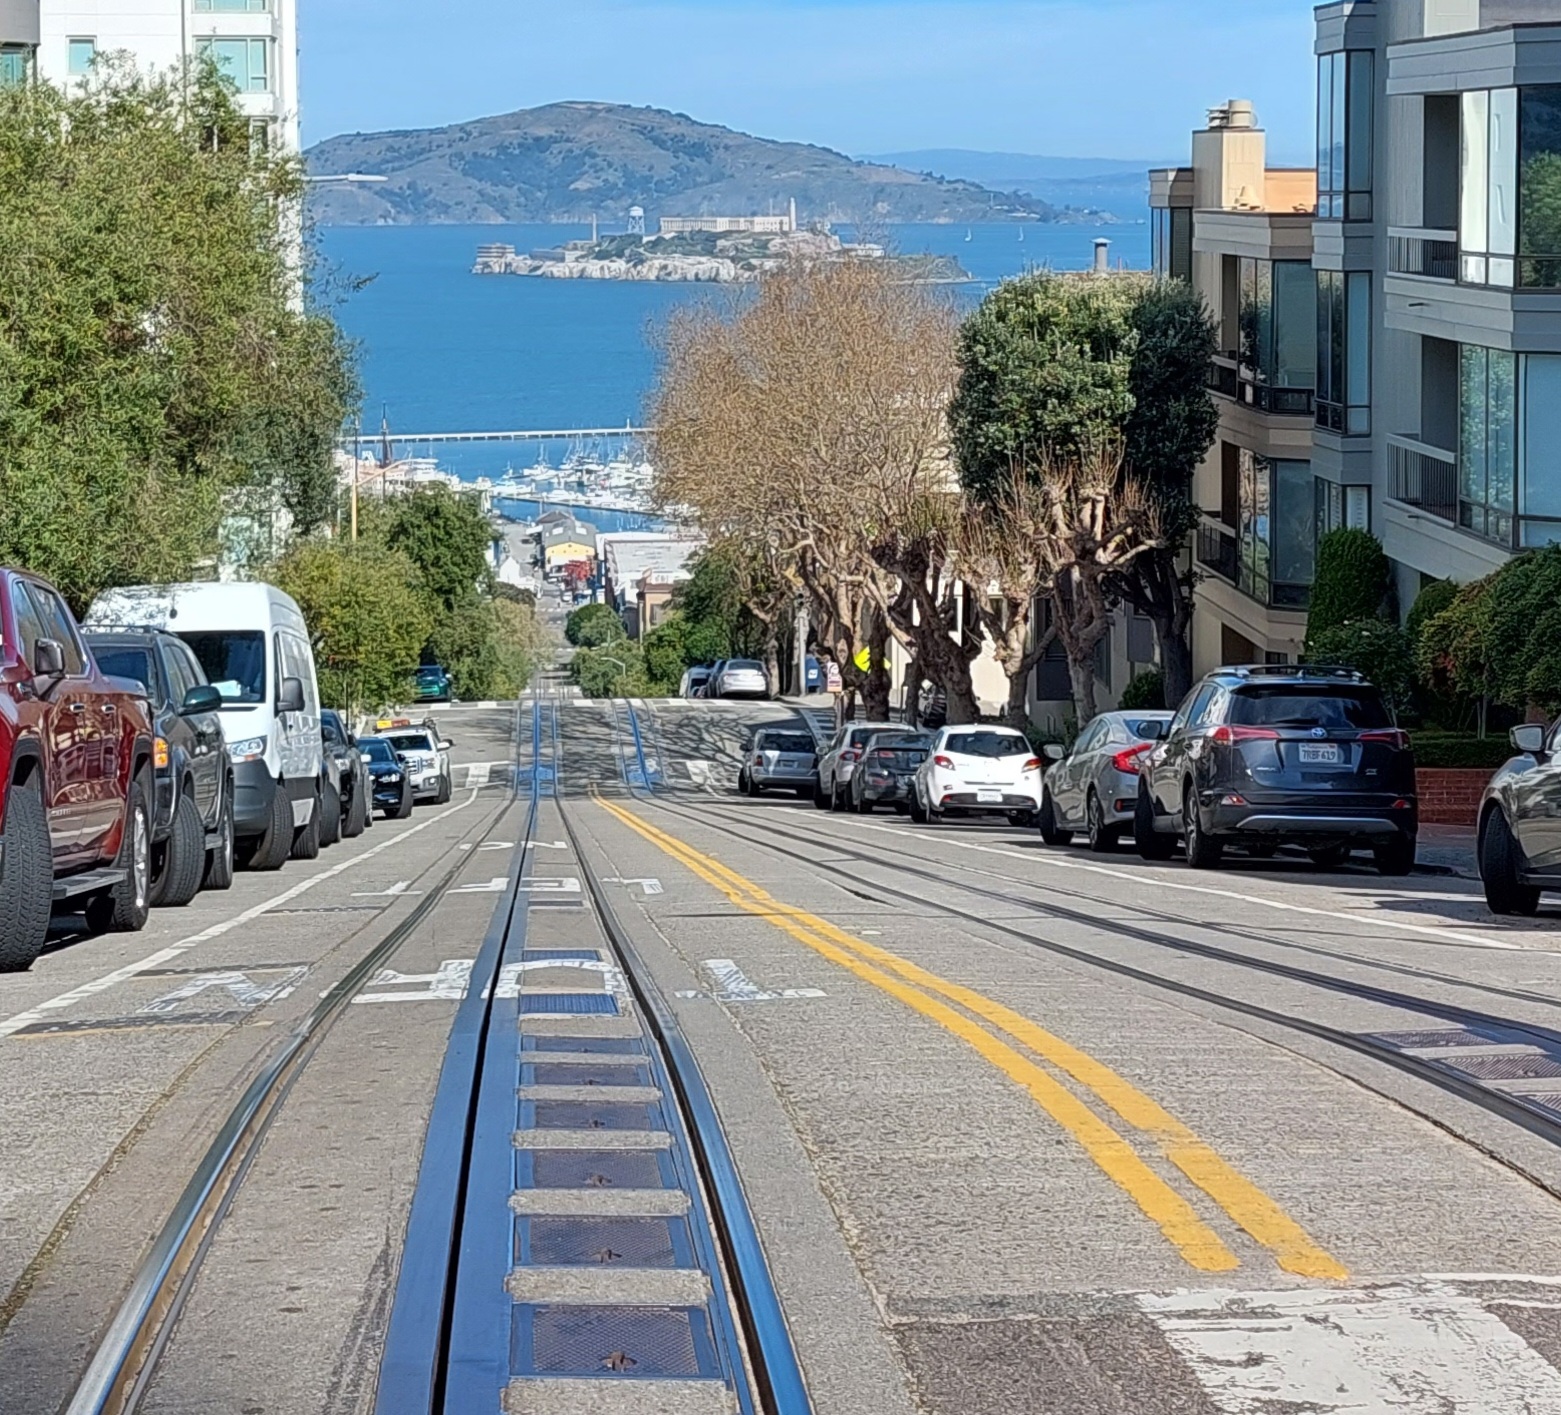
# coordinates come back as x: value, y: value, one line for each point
x: 1237, y: 113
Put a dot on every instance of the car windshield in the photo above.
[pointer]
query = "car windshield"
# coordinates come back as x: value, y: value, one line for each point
x: 912, y: 743
x: 430, y: 673
x: 235, y: 664
x: 376, y: 749
x: 411, y: 742
x: 987, y: 744
x: 135, y: 664
x: 1295, y: 705
x: 795, y: 742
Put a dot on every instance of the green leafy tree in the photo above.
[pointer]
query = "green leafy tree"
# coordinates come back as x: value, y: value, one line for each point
x: 1431, y: 601
x: 366, y: 615
x: 1351, y: 582
x: 447, y: 537
x: 614, y: 670
x: 1374, y: 647
x: 157, y: 376
x: 1143, y: 690
x: 593, y: 625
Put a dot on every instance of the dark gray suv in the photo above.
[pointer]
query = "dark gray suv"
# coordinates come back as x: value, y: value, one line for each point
x: 1273, y: 754
x: 1520, y: 823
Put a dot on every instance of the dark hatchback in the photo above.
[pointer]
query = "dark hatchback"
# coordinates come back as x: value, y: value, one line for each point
x: 192, y: 816
x: 1271, y: 754
x: 392, y: 784
x: 886, y: 774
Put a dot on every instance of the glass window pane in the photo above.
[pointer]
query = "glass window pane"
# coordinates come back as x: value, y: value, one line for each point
x: 1502, y: 437
x: 1295, y: 324
x: 1336, y: 122
x: 1181, y: 243
x: 1539, y: 196
x: 1295, y: 523
x: 1540, y: 458
x: 13, y: 67
x: 1474, y: 173
x: 1359, y: 135
x: 1471, y: 423
x: 1503, y: 210
x: 1357, y: 341
x: 79, y: 54
x: 1324, y: 133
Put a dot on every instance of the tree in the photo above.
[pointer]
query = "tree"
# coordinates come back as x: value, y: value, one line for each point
x: 1351, y: 581
x: 447, y: 537
x: 593, y: 625
x: 1374, y: 647
x: 366, y: 616
x: 614, y: 671
x: 156, y: 374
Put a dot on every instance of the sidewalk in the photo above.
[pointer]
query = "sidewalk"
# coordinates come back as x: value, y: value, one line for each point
x: 1447, y: 850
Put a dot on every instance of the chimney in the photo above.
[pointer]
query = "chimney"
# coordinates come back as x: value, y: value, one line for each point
x: 1102, y: 265
x: 1229, y: 160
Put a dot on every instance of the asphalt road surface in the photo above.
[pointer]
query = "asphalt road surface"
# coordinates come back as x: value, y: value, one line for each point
x: 1021, y: 1129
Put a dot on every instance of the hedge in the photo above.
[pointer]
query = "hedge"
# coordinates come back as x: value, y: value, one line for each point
x: 1460, y: 750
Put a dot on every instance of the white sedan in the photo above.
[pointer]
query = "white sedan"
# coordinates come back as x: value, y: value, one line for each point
x: 975, y: 770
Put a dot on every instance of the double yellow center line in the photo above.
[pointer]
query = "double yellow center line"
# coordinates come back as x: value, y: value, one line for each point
x: 1253, y: 1210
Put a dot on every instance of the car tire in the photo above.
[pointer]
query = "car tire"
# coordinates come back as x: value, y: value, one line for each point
x: 1202, y: 853
x: 1397, y: 857
x: 183, y: 859
x: 330, y: 814
x: 1329, y: 857
x: 402, y: 808
x: 917, y: 810
x: 445, y: 791
x: 271, y: 851
x: 806, y: 793
x: 357, y: 818
x: 837, y: 799
x: 1051, y: 832
x: 1151, y: 844
x: 821, y: 796
x: 26, y: 881
x: 1102, y: 837
x: 220, y: 858
x: 126, y: 907
x: 1500, y: 861
x: 306, y: 838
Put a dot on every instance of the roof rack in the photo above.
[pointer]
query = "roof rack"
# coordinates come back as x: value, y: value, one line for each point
x: 1296, y: 670
x: 97, y: 628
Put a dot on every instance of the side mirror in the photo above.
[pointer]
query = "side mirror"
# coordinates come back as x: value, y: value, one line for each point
x: 48, y: 659
x: 1052, y: 752
x: 1529, y: 738
x: 201, y: 698
x: 445, y: 744
x: 291, y: 698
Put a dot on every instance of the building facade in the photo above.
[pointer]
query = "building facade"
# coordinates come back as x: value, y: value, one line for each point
x: 255, y: 42
x: 18, y: 40
x: 1390, y: 323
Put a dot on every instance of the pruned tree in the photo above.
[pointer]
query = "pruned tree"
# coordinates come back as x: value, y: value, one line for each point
x: 803, y: 423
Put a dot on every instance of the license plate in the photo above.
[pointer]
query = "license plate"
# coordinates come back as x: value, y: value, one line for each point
x: 786, y: 766
x: 1320, y: 752
x: 989, y: 798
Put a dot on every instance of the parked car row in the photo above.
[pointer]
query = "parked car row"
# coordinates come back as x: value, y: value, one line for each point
x: 726, y: 678
x: 172, y: 737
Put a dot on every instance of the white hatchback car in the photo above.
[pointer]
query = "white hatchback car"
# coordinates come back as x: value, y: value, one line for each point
x: 740, y: 678
x: 977, y: 770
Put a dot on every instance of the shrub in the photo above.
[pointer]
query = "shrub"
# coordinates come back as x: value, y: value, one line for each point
x: 1144, y: 691
x: 593, y: 625
x: 1462, y: 750
x: 1430, y: 602
x: 1351, y: 582
x: 1374, y: 647
x: 614, y: 671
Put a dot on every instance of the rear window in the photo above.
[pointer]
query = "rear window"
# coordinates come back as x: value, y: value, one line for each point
x: 1144, y: 728
x: 796, y: 742
x: 1338, y: 709
x: 747, y: 664
x: 988, y: 744
x: 901, y: 744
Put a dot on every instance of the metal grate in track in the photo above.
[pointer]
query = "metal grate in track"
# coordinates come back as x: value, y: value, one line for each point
x: 596, y: 1169
x: 566, y: 1074
x: 581, y: 1115
x: 1504, y: 1068
x: 554, y: 1003
x: 611, y: 1341
x: 600, y: 1242
x: 614, y: 1046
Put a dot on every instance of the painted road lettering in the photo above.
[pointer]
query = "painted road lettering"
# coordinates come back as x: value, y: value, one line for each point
x: 731, y: 984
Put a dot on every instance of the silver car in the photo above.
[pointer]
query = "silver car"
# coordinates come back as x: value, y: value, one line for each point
x: 780, y: 759
x: 1094, y: 787
x: 838, y: 760
x: 740, y: 678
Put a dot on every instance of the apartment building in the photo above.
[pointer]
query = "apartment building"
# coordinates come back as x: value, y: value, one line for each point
x: 18, y: 40
x: 1390, y: 323
x: 254, y: 41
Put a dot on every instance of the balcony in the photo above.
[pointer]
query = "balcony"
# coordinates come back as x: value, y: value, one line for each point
x: 1423, y: 476
x: 1423, y: 252
x: 1220, y: 551
x: 1232, y: 379
x: 1217, y: 551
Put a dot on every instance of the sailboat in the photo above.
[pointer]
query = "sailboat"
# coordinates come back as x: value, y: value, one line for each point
x: 969, y: 234
x: 1021, y: 235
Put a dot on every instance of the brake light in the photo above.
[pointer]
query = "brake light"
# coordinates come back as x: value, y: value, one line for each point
x: 945, y: 762
x: 1229, y: 736
x: 1126, y: 761
x: 758, y: 758
x: 850, y: 756
x: 884, y: 756
x: 1394, y: 737
x: 1034, y: 764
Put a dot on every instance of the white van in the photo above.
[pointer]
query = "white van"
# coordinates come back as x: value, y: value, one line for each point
x: 254, y: 645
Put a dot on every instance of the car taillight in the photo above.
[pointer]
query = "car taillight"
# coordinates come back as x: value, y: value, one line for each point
x: 945, y: 762
x: 1394, y: 737
x: 1228, y: 736
x: 1126, y: 761
x: 160, y: 754
x: 758, y: 758
x: 884, y: 756
x: 1034, y: 764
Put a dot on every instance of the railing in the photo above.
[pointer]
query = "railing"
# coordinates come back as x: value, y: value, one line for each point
x: 1226, y: 377
x: 1424, y: 476
x: 1430, y: 254
x: 1222, y: 375
x: 1217, y: 551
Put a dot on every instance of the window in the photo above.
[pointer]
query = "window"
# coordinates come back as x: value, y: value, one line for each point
x: 1294, y: 705
x: 1276, y: 325
x: 1172, y: 241
x: 246, y: 62
x: 1509, y: 219
x: 1254, y: 573
x: 232, y: 7
x: 1539, y: 451
x: 1487, y: 441
x: 57, y: 625
x: 1345, y: 98
x: 29, y: 624
x: 15, y: 65
x: 79, y: 54
x: 132, y: 663
x: 1344, y: 351
x: 234, y: 664
x: 1295, y: 533
x: 180, y: 673
x: 1539, y: 187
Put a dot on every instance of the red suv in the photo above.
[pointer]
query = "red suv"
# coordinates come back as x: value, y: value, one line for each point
x: 75, y: 772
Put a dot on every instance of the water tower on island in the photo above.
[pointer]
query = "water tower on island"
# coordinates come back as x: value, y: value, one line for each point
x: 636, y: 220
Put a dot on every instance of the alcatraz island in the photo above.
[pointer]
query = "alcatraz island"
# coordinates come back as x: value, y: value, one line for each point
x: 705, y: 249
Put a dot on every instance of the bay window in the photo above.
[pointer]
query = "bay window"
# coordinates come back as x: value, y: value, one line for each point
x: 1345, y: 102
x: 1344, y: 351
x: 1509, y: 219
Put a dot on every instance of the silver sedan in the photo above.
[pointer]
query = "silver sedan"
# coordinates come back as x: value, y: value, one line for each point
x: 1094, y: 787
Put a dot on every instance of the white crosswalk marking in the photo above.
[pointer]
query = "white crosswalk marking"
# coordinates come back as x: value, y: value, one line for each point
x: 1413, y: 1348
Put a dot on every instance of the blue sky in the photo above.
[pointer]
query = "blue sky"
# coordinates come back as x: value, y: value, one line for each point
x: 1093, y: 78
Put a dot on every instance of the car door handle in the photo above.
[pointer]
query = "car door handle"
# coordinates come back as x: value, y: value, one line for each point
x: 78, y: 707
x: 110, y: 708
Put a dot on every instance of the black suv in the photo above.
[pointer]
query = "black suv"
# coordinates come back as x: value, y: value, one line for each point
x: 1274, y: 754
x: 192, y: 816
x: 344, y: 793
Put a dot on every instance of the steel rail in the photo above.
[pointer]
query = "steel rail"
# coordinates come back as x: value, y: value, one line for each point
x: 122, y: 1365
x: 776, y: 1369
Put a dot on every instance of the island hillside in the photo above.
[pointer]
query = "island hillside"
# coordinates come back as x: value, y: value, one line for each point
x: 572, y: 161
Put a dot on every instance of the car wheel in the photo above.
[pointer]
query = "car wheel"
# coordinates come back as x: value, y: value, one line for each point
x: 403, y: 807
x: 357, y: 816
x: 1051, y: 832
x: 1397, y: 857
x: 125, y: 907
x: 270, y: 852
x: 1102, y: 837
x: 176, y: 876
x: 837, y: 798
x: 917, y: 810
x: 445, y: 791
x: 26, y: 881
x: 1202, y: 853
x: 220, y: 858
x: 330, y: 814
x: 806, y: 793
x: 306, y: 838
x: 1500, y: 866
x: 821, y: 796
x: 1329, y: 857
x: 1151, y: 844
